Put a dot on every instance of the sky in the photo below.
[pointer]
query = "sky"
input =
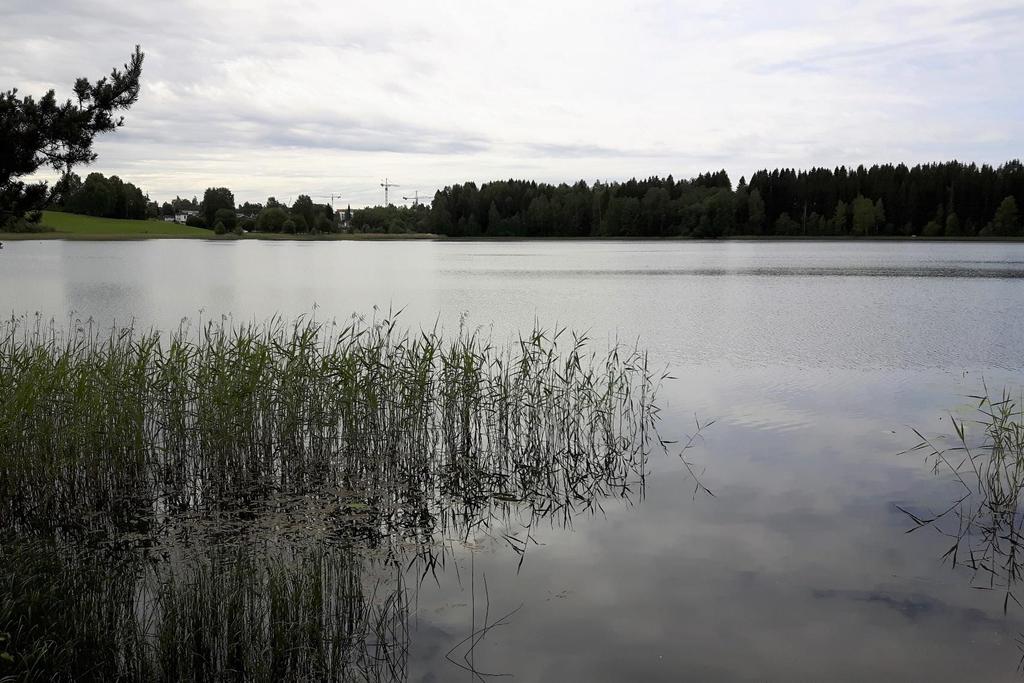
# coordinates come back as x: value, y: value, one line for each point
x: 331, y: 97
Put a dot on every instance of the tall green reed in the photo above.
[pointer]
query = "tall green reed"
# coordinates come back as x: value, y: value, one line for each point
x: 135, y: 425
x: 262, y: 612
x: 213, y: 502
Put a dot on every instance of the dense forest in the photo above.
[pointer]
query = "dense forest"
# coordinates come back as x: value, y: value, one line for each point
x: 392, y: 219
x: 933, y: 200
x: 946, y: 199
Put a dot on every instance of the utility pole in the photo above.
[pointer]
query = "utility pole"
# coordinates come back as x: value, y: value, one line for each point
x: 387, y: 186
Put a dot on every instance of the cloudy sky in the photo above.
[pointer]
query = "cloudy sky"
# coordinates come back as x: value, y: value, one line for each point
x: 317, y: 97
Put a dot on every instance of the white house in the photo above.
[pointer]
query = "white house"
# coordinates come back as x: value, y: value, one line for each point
x: 183, y: 216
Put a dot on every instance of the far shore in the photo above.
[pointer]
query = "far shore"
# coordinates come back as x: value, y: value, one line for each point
x: 418, y: 236
x: 271, y: 236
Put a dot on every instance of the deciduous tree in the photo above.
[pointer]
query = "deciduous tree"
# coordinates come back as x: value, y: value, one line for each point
x: 214, y: 199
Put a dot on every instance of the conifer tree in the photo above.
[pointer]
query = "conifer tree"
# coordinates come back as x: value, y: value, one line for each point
x: 46, y: 133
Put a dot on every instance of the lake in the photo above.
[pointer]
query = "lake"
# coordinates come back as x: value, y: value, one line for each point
x: 815, y: 361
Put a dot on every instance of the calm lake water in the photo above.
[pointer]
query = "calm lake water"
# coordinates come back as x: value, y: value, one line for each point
x: 815, y: 360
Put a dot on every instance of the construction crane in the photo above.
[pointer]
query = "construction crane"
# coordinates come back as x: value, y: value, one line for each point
x: 387, y: 186
x: 332, y: 197
x: 415, y: 198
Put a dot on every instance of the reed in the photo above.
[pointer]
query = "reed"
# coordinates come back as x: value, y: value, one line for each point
x: 985, y: 524
x: 262, y: 613
x: 243, y: 502
x: 131, y: 427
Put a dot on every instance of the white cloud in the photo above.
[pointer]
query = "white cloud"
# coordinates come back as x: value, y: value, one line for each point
x: 327, y: 96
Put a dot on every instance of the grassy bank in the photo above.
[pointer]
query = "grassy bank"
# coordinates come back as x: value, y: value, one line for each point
x: 69, y: 226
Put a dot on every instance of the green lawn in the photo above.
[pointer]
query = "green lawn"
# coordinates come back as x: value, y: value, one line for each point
x: 62, y: 225
x: 74, y: 224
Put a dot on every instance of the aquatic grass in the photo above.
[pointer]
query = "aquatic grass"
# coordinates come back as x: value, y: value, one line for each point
x: 135, y: 425
x: 263, y: 613
x: 65, y: 613
x: 243, y: 501
x: 986, y: 523
x: 302, y: 613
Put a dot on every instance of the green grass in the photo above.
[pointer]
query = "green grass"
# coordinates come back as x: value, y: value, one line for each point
x: 74, y: 224
x: 61, y: 225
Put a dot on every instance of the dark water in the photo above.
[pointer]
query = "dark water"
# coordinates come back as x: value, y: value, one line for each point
x: 815, y: 360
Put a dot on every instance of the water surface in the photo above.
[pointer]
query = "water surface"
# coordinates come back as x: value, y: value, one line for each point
x: 814, y: 359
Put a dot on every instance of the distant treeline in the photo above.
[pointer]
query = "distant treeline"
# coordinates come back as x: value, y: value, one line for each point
x: 105, y: 197
x: 111, y: 197
x: 218, y: 212
x: 947, y: 199
x: 392, y: 219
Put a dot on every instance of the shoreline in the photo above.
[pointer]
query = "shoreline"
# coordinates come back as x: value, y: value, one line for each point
x: 266, y: 237
x: 414, y: 237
